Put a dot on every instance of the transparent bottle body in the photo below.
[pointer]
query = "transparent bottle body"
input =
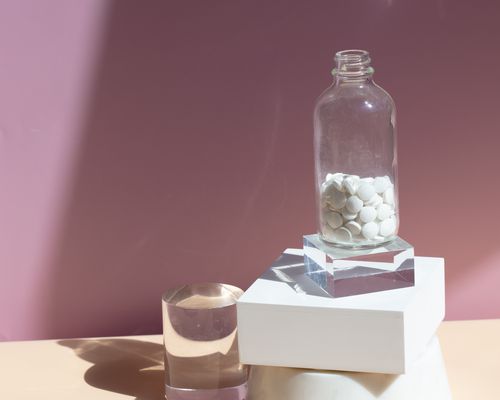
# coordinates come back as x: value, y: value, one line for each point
x: 356, y: 162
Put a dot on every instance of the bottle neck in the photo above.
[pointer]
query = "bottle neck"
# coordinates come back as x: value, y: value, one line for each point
x: 352, y: 66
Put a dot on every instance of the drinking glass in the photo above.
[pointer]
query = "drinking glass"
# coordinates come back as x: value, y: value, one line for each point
x: 201, y: 346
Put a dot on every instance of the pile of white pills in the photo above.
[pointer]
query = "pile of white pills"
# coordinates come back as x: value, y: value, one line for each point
x: 357, y: 209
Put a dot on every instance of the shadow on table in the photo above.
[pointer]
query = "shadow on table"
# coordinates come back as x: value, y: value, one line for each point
x: 126, y: 366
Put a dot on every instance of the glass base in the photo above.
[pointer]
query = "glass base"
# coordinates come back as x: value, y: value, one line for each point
x: 229, y: 393
x: 357, y: 246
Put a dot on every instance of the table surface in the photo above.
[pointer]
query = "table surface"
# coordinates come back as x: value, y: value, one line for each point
x: 131, y: 367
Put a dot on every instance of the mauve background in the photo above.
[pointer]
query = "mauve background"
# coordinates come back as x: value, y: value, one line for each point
x: 148, y: 144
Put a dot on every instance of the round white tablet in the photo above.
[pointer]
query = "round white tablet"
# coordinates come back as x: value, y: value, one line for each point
x: 351, y: 184
x: 381, y: 183
x: 336, y: 199
x: 337, y: 181
x: 368, y: 179
x: 334, y: 219
x: 348, y: 216
x: 367, y: 214
x: 384, y: 211
x: 354, y: 204
x: 327, y: 232
x: 375, y: 201
x: 342, y: 235
x: 389, y: 196
x: 370, y: 230
x: 354, y: 227
x: 388, y: 227
x: 366, y: 191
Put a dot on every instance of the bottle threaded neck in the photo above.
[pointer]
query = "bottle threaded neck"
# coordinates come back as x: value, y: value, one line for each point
x: 352, y: 64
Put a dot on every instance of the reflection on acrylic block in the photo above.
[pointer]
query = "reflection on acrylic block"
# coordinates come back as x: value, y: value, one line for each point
x: 334, y: 272
x: 346, y: 272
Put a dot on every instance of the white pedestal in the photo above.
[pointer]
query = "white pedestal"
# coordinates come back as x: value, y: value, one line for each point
x: 380, y: 332
x: 425, y: 380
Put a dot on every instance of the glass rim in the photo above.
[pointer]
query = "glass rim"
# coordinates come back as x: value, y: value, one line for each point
x: 234, y: 294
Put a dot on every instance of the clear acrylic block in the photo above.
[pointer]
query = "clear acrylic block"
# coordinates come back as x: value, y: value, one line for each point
x: 343, y: 272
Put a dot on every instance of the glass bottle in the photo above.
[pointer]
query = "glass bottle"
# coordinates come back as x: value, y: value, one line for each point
x: 355, y: 157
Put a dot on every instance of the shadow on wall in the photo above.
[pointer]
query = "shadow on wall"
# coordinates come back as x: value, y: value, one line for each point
x: 185, y: 167
x: 130, y: 367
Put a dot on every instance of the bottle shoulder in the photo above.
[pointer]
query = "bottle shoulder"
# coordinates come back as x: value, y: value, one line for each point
x: 370, y: 93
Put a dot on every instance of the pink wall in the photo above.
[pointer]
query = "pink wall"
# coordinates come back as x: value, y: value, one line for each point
x: 146, y: 146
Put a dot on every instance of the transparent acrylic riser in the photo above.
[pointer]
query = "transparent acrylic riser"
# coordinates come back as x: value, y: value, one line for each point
x: 317, y: 273
x: 345, y: 272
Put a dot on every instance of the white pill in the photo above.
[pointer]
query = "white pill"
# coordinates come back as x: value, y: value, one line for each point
x: 339, y: 186
x: 354, y: 227
x: 335, y: 180
x: 375, y: 201
x: 351, y: 184
x: 327, y: 233
x: 367, y: 180
x: 335, y: 175
x: 366, y: 191
x: 388, y: 227
x: 336, y: 199
x: 381, y: 183
x: 367, y: 214
x: 354, y: 204
x: 370, y: 230
x: 342, y: 235
x: 327, y: 186
x: 348, y: 216
x: 389, y: 196
x: 384, y: 211
x: 334, y: 219
x: 324, y: 202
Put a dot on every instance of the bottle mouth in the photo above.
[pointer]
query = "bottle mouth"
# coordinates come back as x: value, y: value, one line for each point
x: 353, y: 57
x: 352, y: 63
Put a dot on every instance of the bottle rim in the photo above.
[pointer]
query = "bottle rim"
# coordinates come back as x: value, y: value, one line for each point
x: 353, y: 56
x: 352, y: 63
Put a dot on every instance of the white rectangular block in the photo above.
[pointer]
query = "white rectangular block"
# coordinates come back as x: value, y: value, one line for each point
x: 375, y: 332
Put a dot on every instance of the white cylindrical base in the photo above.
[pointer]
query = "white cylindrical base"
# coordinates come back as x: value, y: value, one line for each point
x: 425, y: 380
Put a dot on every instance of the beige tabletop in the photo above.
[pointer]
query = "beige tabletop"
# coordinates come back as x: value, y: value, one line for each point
x: 131, y: 367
